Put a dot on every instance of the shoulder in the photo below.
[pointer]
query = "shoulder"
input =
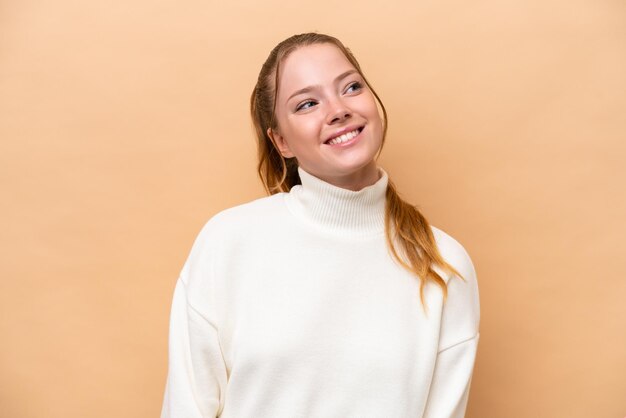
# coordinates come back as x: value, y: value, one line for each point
x: 461, y: 314
x: 245, y: 216
x: 235, y: 223
x: 229, y: 228
x: 454, y: 253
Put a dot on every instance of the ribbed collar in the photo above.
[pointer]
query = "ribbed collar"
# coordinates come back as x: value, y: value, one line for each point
x: 339, y: 210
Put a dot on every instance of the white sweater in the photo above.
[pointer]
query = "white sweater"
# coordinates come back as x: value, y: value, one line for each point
x: 291, y: 306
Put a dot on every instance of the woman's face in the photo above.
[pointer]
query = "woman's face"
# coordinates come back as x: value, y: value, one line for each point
x: 327, y: 118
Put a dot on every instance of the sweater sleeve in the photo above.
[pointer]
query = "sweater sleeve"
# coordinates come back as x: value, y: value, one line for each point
x: 196, y: 377
x: 458, y: 340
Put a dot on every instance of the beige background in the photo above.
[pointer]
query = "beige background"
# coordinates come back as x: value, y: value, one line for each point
x: 124, y: 127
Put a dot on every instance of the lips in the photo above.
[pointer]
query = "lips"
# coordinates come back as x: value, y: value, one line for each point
x: 344, y: 136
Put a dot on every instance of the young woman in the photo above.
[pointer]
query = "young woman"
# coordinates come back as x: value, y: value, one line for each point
x: 332, y: 297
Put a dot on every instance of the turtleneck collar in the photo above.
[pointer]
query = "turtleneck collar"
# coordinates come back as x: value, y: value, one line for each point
x: 339, y: 210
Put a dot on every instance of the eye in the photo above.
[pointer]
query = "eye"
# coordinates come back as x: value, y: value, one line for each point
x: 354, y: 87
x: 305, y: 105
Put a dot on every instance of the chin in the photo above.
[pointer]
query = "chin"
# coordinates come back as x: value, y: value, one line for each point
x: 357, y: 168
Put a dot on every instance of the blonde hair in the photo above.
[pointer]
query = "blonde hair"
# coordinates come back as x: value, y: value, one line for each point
x: 409, y: 236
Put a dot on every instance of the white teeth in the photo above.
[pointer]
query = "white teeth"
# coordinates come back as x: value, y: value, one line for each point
x: 344, y: 137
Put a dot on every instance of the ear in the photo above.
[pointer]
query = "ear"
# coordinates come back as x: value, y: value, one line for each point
x: 280, y: 143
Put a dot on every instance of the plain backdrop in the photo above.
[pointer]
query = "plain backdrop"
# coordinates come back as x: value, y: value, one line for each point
x: 124, y: 126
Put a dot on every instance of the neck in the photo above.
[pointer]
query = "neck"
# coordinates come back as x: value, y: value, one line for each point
x: 355, y: 181
x: 339, y: 210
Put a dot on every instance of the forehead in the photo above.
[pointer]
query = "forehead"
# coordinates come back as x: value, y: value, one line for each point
x: 315, y: 64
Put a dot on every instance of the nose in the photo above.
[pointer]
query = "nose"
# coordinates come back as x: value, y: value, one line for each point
x: 338, y: 112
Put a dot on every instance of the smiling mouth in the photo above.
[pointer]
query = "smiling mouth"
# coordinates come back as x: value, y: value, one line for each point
x: 344, y: 138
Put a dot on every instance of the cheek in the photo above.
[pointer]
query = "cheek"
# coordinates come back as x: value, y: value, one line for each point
x: 373, y: 115
x: 310, y: 125
x: 302, y: 133
x: 370, y: 108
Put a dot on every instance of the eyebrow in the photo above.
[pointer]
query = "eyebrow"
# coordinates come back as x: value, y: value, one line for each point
x: 309, y: 88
